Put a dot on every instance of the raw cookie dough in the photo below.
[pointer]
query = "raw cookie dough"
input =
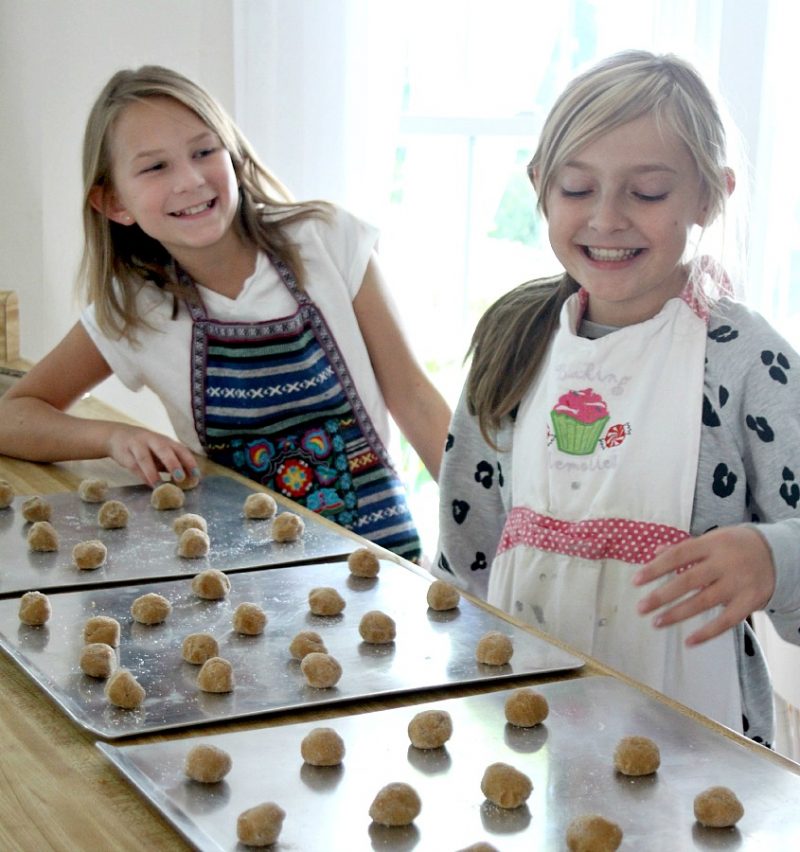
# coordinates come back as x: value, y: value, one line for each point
x: 593, y: 833
x: 396, y: 804
x: 249, y: 619
x: 322, y: 747
x: 6, y: 494
x: 377, y: 628
x: 102, y: 628
x: 93, y: 490
x: 34, y: 609
x: 362, y: 562
x: 505, y: 786
x: 443, y: 596
x: 193, y: 544
x: 199, y: 647
x: 123, y: 690
x: 287, y: 527
x: 98, y: 660
x: 306, y: 642
x: 718, y: 807
x: 259, y: 506
x: 189, y: 521
x: 494, y: 649
x: 207, y: 763
x: 325, y: 600
x: 88, y: 555
x: 42, y: 537
x: 321, y: 670
x: 636, y: 756
x: 526, y: 707
x: 261, y: 825
x: 480, y: 846
x: 113, y: 515
x: 211, y: 584
x: 151, y: 608
x: 36, y: 509
x: 430, y: 729
x: 216, y: 675
x: 167, y: 496
x: 188, y: 482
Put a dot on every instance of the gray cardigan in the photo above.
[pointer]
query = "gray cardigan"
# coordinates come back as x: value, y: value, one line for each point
x: 749, y: 472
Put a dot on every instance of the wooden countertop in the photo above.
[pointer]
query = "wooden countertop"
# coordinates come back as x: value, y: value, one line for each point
x: 60, y: 793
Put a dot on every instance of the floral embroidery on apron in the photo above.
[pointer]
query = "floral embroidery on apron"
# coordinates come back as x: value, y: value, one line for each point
x: 275, y: 402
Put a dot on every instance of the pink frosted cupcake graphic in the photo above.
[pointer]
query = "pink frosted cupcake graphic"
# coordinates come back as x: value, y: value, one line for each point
x: 578, y: 420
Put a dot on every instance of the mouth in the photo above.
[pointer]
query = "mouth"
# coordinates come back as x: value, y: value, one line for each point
x: 193, y: 211
x: 612, y: 255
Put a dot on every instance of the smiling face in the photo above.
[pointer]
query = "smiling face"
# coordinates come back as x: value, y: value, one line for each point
x: 619, y: 214
x: 173, y: 178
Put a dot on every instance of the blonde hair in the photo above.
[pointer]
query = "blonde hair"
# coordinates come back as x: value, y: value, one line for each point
x: 511, y: 339
x: 127, y: 253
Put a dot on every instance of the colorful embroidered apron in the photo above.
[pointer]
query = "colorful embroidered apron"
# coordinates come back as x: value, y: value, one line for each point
x: 275, y: 402
x: 612, y: 436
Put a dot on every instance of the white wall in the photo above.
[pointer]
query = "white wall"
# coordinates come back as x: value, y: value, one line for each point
x: 55, y: 56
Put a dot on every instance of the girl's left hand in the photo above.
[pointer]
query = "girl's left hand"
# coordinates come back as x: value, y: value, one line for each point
x: 729, y: 567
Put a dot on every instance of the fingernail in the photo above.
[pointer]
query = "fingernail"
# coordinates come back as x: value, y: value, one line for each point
x: 195, y: 471
x: 178, y: 475
x: 658, y: 621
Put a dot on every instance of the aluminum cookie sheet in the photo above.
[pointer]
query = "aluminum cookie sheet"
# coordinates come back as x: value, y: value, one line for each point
x: 146, y: 548
x: 568, y: 758
x: 432, y: 649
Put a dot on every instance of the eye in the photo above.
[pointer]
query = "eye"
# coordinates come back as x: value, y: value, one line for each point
x: 643, y: 196
x: 153, y: 167
x: 574, y: 193
x: 205, y: 152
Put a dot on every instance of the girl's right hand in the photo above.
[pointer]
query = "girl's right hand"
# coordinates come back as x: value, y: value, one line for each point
x: 146, y: 454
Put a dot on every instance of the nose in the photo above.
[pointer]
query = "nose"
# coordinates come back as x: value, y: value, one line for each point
x: 608, y: 213
x: 187, y: 176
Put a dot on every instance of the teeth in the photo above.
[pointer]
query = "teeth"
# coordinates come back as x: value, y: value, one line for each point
x: 191, y: 211
x: 610, y: 254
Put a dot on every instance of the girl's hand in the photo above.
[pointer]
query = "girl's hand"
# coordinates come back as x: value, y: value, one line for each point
x: 729, y: 567
x: 147, y: 453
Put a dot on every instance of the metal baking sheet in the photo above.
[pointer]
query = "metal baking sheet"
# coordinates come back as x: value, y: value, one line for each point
x: 146, y: 548
x: 568, y: 758
x: 432, y: 649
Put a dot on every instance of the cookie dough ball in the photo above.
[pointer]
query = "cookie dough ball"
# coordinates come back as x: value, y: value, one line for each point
x: 443, y: 596
x: 325, y: 600
x: 88, y: 555
x: 718, y: 807
x: 321, y: 671
x: 34, y: 609
x: 249, y: 619
x: 199, y: 647
x: 193, y: 544
x: 322, y: 747
x: 98, y: 660
x: 480, y: 846
x: 377, y: 628
x: 259, y: 506
x: 261, y: 825
x: 42, y: 537
x: 636, y: 756
x: 593, y: 833
x: 113, y: 515
x: 36, y: 509
x: 306, y: 642
x: 6, y: 494
x: 189, y: 481
x: 123, y: 690
x: 151, y: 608
x: 166, y: 497
x: 362, y: 562
x: 395, y: 804
x: 102, y: 628
x: 207, y: 764
x: 189, y: 521
x: 93, y: 490
x: 430, y: 729
x: 216, y: 675
x: 494, y: 649
x: 211, y: 584
x: 506, y: 786
x: 526, y: 707
x: 287, y: 527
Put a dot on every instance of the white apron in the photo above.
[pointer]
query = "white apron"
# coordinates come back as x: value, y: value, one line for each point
x: 605, y: 459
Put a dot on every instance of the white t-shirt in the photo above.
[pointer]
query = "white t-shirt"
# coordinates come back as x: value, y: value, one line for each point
x: 335, y: 254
